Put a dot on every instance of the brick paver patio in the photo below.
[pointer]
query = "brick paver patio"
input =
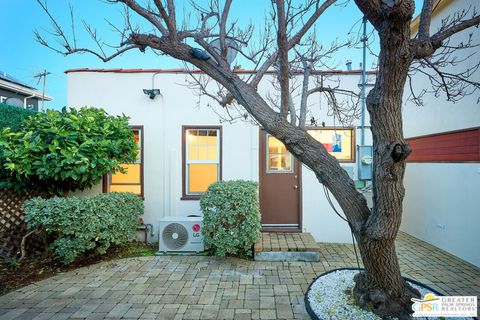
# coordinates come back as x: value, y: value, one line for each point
x: 279, y: 241
x: 194, y: 287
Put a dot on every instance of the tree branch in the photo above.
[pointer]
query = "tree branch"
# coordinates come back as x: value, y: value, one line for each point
x: 438, y: 37
x: 132, y: 4
x: 425, y: 20
x: 304, y: 95
x: 172, y: 29
x: 223, y: 32
x: 292, y: 42
x: 425, y: 48
x: 283, y: 63
x: 371, y: 9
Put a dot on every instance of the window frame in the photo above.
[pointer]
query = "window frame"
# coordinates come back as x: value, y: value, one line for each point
x: 107, y: 177
x: 267, y: 153
x: 185, y: 195
x: 352, y: 146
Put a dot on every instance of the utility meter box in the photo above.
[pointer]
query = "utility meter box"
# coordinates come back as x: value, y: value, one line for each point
x: 365, y: 162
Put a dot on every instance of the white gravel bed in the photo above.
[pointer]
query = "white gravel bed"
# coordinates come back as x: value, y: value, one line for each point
x: 329, y: 301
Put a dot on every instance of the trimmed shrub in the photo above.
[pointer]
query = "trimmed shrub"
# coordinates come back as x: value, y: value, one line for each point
x: 57, y: 152
x: 81, y: 224
x: 12, y: 117
x: 231, y: 217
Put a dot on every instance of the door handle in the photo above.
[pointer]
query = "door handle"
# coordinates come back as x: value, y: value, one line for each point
x: 295, y: 187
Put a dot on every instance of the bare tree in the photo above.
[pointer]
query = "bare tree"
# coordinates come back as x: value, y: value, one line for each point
x: 380, y: 286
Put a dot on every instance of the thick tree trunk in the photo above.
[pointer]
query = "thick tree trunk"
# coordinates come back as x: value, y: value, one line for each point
x: 380, y: 287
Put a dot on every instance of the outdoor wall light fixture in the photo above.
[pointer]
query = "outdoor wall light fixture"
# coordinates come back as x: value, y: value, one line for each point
x: 152, y: 93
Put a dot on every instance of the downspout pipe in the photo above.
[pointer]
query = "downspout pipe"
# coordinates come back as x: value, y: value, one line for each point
x: 25, y: 100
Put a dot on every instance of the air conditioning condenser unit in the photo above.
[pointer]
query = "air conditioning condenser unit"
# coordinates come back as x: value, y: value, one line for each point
x: 181, y: 234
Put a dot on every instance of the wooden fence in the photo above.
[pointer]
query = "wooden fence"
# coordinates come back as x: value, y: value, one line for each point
x: 12, y: 225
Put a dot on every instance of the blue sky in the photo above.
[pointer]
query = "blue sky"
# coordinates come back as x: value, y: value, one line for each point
x: 23, y: 57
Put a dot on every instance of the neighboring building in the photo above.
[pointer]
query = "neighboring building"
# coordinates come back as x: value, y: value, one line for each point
x: 442, y: 179
x: 184, y: 147
x: 19, y: 93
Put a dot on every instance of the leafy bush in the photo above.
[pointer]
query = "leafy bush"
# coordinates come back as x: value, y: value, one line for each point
x: 57, y: 152
x: 231, y: 217
x: 12, y: 117
x: 80, y: 224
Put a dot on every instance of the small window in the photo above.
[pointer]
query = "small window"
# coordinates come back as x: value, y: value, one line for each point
x: 278, y: 157
x: 201, y: 159
x: 132, y: 180
x: 339, y: 142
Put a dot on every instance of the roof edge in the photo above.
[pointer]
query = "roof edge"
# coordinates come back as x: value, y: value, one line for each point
x: 34, y: 93
x: 180, y: 70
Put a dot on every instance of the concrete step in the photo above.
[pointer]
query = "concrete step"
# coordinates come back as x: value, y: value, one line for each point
x: 284, y: 246
x: 307, y: 256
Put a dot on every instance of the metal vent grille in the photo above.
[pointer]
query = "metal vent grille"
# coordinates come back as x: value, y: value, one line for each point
x: 175, y: 236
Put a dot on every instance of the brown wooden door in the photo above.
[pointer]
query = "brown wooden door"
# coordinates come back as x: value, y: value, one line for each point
x: 280, y: 186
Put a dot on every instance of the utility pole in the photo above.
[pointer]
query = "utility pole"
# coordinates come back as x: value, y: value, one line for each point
x: 39, y: 76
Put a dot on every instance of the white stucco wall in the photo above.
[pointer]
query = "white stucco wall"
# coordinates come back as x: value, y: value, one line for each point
x: 318, y: 217
x: 441, y: 203
x: 163, y: 118
x: 442, y: 207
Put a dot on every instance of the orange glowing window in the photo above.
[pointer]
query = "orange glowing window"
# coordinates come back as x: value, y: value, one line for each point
x: 201, y: 159
x: 132, y: 179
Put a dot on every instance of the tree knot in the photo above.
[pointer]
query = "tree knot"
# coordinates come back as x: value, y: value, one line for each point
x: 400, y: 152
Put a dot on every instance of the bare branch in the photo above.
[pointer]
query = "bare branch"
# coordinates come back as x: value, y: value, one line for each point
x: 172, y: 31
x: 132, y: 4
x: 436, y: 70
x: 425, y: 20
x: 292, y: 42
x: 283, y: 62
x: 440, y: 36
x: 171, y: 12
x: 223, y: 32
x: 304, y: 95
x: 309, y: 23
x: 371, y: 9
x: 72, y: 18
x: 425, y: 46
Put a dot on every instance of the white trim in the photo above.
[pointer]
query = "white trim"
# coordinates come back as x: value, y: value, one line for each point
x: 188, y: 162
x: 21, y: 89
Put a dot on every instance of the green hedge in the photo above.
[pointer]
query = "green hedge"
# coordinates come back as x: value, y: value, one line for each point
x: 231, y: 217
x: 57, y: 152
x: 12, y: 117
x: 81, y: 224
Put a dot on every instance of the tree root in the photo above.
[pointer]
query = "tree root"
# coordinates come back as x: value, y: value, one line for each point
x: 386, y: 304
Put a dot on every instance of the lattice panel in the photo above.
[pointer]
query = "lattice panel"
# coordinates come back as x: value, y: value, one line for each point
x: 12, y: 225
